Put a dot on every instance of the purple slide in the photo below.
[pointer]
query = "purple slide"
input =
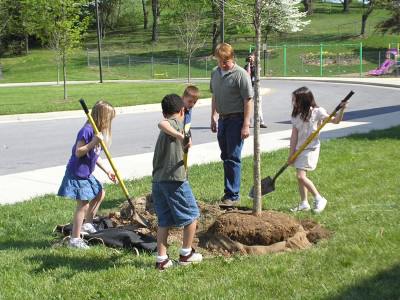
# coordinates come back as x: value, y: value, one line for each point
x: 384, y: 68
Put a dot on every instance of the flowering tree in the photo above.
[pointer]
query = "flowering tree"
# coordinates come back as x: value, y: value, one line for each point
x: 266, y: 16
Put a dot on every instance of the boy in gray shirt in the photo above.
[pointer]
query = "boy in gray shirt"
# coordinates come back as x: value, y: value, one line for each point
x: 172, y: 195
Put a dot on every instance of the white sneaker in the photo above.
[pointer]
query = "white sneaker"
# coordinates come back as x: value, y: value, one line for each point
x: 303, y: 206
x: 319, y: 205
x: 192, y: 258
x: 88, y: 228
x: 78, y: 243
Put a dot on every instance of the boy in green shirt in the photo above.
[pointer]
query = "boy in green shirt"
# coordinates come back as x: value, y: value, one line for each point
x: 172, y: 195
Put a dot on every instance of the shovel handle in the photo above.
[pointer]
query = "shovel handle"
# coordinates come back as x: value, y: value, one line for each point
x: 344, y: 101
x: 107, y: 153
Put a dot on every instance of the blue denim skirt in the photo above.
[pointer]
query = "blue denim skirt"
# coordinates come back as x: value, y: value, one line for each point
x: 174, y: 203
x: 79, y: 188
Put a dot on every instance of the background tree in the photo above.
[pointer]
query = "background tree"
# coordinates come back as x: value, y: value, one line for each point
x: 145, y: 14
x: 346, y: 5
x: 61, y: 25
x: 215, y: 31
x: 391, y: 25
x: 308, y: 7
x: 108, y: 14
x: 368, y: 7
x: 191, y: 27
x: 15, y: 26
x: 155, y: 8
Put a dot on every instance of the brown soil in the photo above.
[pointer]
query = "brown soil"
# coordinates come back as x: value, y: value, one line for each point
x: 234, y: 231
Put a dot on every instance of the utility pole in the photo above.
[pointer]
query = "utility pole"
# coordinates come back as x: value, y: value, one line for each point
x: 99, y: 40
x: 222, y: 29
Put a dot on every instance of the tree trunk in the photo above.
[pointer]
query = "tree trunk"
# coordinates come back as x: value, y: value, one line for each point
x: 26, y: 44
x: 256, y: 155
x: 145, y: 14
x: 189, y: 60
x: 308, y: 7
x: 365, y: 15
x: 64, y: 62
x: 155, y: 5
x: 214, y: 30
x: 346, y: 6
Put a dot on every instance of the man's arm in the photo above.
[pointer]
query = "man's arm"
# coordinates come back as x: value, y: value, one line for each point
x: 248, y: 109
x: 214, y: 114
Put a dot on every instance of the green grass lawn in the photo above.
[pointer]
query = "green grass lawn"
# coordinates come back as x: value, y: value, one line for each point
x: 17, y: 100
x: 358, y: 175
x: 328, y: 26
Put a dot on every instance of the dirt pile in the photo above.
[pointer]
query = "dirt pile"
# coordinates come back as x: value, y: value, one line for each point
x: 236, y: 231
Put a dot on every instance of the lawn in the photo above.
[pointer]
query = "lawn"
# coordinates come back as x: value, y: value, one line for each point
x: 129, y: 54
x: 358, y: 175
x: 17, y: 100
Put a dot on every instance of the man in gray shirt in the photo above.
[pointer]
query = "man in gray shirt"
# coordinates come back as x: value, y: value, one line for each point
x: 231, y: 110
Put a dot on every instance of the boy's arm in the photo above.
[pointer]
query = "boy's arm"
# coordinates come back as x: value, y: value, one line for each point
x: 166, y: 127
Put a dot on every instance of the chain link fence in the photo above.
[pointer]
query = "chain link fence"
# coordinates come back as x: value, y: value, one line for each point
x: 152, y: 67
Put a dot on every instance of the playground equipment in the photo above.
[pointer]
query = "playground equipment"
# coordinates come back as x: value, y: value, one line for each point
x: 389, y: 63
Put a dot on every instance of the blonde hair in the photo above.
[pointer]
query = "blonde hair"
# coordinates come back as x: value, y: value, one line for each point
x: 103, y: 113
x: 191, y: 91
x: 224, y: 51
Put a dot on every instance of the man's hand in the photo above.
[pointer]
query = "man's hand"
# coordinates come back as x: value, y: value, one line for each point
x: 213, y: 124
x: 245, y: 133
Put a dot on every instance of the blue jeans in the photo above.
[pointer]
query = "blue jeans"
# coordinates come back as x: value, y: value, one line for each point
x: 174, y: 203
x: 231, y: 143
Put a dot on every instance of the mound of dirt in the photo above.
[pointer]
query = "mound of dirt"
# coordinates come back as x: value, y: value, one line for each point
x: 229, y: 232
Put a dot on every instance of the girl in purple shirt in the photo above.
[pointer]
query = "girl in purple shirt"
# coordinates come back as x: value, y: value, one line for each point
x: 78, y: 182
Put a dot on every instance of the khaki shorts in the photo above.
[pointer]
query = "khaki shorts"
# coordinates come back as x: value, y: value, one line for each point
x: 307, y: 160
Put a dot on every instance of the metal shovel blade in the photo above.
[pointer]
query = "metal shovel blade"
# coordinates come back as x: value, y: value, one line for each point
x: 267, y: 186
x: 134, y: 216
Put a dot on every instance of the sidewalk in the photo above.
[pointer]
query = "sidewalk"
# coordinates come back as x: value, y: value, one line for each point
x: 26, y: 185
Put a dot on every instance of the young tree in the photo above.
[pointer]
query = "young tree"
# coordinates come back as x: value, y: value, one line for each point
x: 275, y: 16
x: 191, y: 28
x: 60, y: 25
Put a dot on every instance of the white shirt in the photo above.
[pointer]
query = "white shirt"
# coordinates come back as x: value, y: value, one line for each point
x: 305, y: 129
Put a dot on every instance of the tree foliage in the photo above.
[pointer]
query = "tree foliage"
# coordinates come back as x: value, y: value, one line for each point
x: 391, y: 25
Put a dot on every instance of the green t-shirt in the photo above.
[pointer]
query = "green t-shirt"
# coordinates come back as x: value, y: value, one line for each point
x: 231, y: 89
x: 168, y: 156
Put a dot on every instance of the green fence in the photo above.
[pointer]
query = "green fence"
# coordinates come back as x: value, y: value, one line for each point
x: 339, y: 60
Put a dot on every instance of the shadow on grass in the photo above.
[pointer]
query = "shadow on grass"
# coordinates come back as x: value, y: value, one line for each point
x: 391, y: 133
x: 384, y: 285
x: 88, y: 263
x: 24, y: 244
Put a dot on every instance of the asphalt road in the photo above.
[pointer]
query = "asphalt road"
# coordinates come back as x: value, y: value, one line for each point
x: 26, y: 146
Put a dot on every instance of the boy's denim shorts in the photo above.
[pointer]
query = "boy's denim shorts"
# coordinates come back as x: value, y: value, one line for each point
x: 174, y: 203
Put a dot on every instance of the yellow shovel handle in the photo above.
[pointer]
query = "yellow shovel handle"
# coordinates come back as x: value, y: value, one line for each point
x: 104, y: 147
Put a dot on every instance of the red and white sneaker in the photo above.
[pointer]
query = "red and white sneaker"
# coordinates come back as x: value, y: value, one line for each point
x: 192, y: 258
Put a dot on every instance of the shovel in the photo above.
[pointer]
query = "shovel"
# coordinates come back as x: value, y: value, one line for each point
x: 268, y: 183
x: 187, y: 134
x: 135, y: 216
